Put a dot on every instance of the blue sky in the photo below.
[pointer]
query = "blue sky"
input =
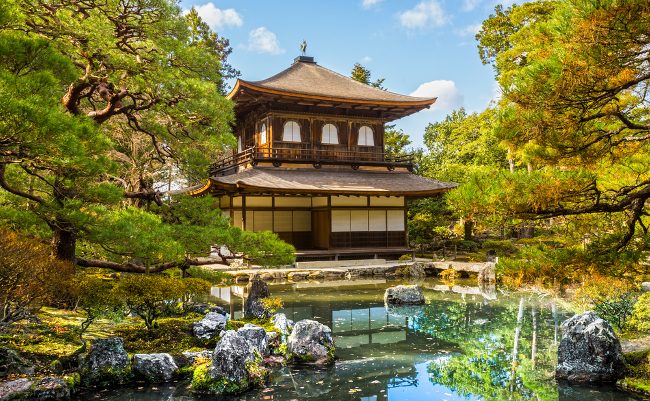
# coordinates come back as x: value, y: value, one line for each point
x: 421, y: 47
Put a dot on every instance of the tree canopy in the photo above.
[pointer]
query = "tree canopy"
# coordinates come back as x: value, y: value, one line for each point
x: 574, y: 110
x: 362, y: 74
x: 102, y: 101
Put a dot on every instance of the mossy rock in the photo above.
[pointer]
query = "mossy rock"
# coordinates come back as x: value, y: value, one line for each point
x: 636, y: 385
x: 106, y: 363
x: 203, y: 381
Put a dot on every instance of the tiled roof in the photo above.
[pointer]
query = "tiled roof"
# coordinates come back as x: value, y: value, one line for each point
x: 309, y: 78
x: 330, y: 181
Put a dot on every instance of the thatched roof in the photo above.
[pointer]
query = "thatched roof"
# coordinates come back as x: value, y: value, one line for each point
x: 342, y: 181
x: 307, y: 79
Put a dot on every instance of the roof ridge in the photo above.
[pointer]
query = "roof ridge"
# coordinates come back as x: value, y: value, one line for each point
x: 307, y: 73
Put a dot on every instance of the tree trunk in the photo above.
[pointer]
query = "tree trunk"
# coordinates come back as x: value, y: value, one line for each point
x: 64, y: 241
x: 468, y: 227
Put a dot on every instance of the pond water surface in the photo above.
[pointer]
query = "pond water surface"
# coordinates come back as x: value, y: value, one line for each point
x: 466, y: 343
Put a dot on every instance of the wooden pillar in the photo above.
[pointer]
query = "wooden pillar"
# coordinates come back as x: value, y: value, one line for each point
x: 406, y: 230
x: 329, y: 216
x: 243, y: 210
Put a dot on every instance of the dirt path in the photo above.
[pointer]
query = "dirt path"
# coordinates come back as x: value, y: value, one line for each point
x: 635, y: 345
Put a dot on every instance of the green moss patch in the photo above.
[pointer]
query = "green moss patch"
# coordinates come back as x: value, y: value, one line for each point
x: 637, y: 379
x: 172, y: 335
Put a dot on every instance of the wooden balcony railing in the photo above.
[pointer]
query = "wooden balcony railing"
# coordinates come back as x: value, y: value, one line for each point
x: 308, y: 154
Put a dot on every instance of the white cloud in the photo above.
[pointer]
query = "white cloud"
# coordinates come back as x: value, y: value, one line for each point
x: 424, y: 14
x: 449, y: 97
x: 218, y: 18
x: 470, y: 5
x: 261, y: 40
x: 469, y: 30
x: 366, y: 59
x: 369, y: 3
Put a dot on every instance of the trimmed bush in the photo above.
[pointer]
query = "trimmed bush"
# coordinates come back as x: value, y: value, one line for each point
x: 152, y: 296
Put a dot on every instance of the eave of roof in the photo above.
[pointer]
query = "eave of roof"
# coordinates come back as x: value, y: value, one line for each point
x: 334, y: 182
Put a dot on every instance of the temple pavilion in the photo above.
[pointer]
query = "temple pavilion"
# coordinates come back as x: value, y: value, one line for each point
x: 311, y: 166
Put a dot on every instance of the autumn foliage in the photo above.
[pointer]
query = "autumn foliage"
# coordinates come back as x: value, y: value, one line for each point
x: 29, y: 276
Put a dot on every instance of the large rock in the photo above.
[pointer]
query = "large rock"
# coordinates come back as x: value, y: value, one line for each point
x: 311, y: 342
x: 44, y: 389
x: 230, y: 357
x: 404, y: 295
x: 50, y: 389
x: 234, y: 367
x: 107, y: 362
x: 256, y: 337
x: 12, y: 362
x: 589, y: 351
x: 282, y: 324
x: 257, y: 290
x: 15, y: 389
x: 211, y: 325
x: 154, y: 368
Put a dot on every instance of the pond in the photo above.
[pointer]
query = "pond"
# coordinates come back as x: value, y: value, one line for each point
x: 466, y: 343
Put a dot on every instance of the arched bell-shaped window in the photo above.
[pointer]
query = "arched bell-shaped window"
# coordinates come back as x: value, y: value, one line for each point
x: 330, y: 134
x: 366, y: 137
x: 291, y: 132
x: 263, y: 134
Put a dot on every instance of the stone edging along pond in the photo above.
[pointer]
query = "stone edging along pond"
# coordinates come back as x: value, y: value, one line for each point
x: 484, y: 271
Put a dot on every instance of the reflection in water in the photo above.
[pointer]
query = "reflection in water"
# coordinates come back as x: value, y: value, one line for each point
x: 465, y: 344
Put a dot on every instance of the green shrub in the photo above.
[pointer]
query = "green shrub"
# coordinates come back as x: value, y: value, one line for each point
x: 213, y: 276
x: 29, y: 277
x: 501, y: 247
x: 405, y: 258
x: 272, y: 304
x: 640, y: 319
x: 542, y: 266
x: 95, y: 298
x: 151, y: 296
x: 612, y: 299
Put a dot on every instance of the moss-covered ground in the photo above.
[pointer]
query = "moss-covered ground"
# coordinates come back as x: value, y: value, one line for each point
x: 51, y: 343
x: 637, y: 379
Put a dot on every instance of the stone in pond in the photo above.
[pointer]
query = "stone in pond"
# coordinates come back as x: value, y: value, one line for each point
x: 154, y: 368
x: 404, y: 295
x: 256, y: 337
x: 282, y: 324
x: 257, y: 290
x: 311, y: 342
x: 15, y: 389
x: 106, y: 363
x: 50, y: 388
x: 234, y: 368
x: 210, y: 325
x: 589, y: 351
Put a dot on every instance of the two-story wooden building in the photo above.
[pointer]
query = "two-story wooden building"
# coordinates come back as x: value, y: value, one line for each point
x: 311, y: 167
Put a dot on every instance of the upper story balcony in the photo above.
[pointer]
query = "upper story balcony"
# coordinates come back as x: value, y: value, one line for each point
x: 290, y: 153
